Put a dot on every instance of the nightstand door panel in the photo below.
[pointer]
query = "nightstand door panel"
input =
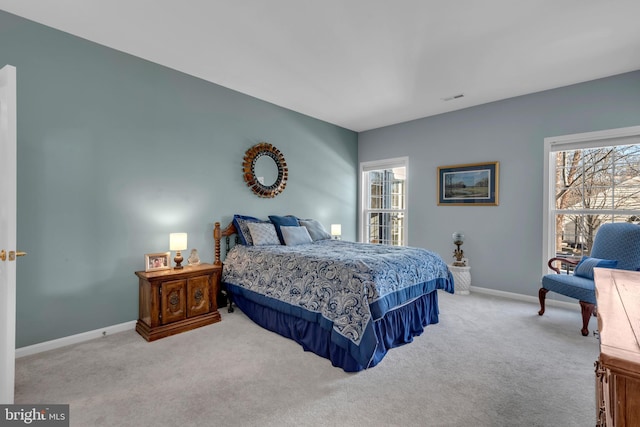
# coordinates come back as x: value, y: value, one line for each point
x: 198, y: 290
x: 173, y: 301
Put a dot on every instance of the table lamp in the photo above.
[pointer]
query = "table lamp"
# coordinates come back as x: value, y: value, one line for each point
x: 178, y: 242
x: 336, y: 231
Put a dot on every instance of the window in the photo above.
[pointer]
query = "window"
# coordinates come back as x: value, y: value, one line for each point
x: 592, y: 179
x: 384, y: 201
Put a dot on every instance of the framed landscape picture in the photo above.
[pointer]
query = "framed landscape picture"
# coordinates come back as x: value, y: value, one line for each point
x: 471, y: 184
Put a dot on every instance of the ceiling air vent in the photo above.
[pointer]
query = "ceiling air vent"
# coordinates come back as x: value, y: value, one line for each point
x: 450, y: 98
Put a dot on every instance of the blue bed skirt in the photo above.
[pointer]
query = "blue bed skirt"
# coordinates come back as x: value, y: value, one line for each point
x: 396, y: 328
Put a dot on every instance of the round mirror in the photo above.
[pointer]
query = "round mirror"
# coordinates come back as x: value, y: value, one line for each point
x: 265, y: 170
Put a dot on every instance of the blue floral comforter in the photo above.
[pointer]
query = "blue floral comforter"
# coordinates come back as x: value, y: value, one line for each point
x: 342, y: 285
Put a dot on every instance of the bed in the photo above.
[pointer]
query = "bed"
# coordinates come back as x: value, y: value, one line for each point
x: 347, y: 302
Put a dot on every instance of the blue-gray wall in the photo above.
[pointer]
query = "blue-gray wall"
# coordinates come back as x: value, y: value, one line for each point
x: 115, y: 152
x: 503, y: 243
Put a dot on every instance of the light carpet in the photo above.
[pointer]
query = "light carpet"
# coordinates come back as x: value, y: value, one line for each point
x: 490, y: 361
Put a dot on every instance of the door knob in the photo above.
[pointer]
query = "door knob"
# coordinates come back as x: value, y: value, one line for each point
x: 12, y: 255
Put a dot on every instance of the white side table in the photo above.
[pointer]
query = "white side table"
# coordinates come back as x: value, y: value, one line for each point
x: 461, y: 279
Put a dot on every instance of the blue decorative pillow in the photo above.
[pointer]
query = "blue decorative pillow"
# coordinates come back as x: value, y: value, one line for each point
x: 316, y: 229
x: 263, y: 233
x: 586, y: 265
x: 240, y: 223
x: 287, y: 221
x: 295, y: 235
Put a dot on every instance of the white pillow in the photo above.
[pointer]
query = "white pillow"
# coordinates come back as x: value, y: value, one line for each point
x: 315, y: 228
x: 263, y: 233
x: 295, y: 235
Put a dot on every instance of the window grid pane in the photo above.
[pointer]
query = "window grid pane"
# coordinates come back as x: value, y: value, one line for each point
x: 386, y: 204
x: 385, y: 228
x: 593, y: 187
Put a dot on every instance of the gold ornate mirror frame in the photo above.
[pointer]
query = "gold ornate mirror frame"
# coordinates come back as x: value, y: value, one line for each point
x: 249, y: 169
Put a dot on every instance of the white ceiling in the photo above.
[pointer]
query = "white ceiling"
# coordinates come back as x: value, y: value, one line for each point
x: 363, y: 64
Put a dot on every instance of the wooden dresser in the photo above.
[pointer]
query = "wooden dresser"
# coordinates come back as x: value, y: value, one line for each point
x: 174, y: 301
x: 618, y: 367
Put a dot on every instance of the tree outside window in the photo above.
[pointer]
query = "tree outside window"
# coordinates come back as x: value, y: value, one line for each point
x: 594, y: 186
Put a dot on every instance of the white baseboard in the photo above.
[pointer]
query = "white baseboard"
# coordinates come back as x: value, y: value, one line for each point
x: 74, y: 339
x: 528, y: 298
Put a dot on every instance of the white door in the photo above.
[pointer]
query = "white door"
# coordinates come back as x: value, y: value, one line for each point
x: 7, y: 233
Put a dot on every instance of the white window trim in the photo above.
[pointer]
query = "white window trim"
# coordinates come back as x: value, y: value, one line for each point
x: 382, y: 164
x: 619, y: 136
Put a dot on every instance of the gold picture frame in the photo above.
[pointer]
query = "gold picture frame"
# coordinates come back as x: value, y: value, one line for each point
x: 157, y: 261
x: 472, y: 184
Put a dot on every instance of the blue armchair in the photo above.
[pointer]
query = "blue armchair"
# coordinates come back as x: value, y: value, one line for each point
x: 616, y: 245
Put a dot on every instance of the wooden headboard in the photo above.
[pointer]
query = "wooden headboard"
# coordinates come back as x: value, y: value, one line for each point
x: 218, y: 234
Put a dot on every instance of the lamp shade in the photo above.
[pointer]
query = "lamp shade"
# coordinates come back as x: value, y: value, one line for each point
x: 336, y: 229
x: 177, y: 241
x: 458, y: 237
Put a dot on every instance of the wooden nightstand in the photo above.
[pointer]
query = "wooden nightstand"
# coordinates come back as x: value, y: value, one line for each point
x: 174, y: 301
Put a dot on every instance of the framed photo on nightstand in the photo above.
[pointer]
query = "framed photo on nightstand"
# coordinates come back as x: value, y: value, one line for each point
x: 159, y: 261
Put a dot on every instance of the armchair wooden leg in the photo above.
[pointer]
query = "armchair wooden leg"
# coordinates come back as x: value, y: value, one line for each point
x: 587, y: 311
x: 542, y: 294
